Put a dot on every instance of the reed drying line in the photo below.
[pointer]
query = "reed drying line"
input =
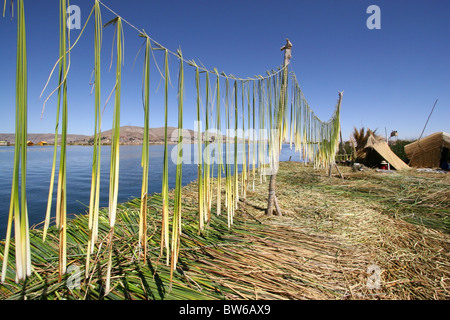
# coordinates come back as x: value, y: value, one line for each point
x: 318, y: 139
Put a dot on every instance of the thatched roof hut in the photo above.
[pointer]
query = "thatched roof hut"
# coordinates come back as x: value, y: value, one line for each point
x: 377, y: 150
x: 430, y: 151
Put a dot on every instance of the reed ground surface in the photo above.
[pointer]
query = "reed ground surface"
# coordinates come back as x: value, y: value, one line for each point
x: 371, y: 235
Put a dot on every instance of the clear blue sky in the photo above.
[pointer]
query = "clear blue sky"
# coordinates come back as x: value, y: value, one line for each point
x: 390, y: 77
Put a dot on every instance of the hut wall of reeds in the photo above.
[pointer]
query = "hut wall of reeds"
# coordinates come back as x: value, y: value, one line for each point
x: 427, y: 152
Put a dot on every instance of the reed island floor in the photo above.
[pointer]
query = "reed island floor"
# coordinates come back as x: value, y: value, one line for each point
x: 371, y: 235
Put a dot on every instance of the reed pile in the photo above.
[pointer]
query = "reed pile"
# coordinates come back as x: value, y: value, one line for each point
x: 332, y: 232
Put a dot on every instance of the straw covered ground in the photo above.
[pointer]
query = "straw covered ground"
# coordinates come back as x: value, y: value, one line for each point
x: 371, y: 235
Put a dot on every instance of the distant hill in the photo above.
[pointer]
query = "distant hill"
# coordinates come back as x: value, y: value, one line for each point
x: 47, y: 137
x: 135, y: 135
x: 128, y: 135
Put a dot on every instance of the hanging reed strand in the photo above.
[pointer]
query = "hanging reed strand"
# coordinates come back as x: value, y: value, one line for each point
x: 201, y: 198
x: 207, y: 167
x: 235, y: 171
x: 219, y: 156
x: 244, y: 145
x: 176, y: 223
x: 254, y: 146
x: 114, y: 161
x: 18, y: 204
x: 228, y: 177
x: 61, y: 198
x: 64, y: 66
x: 145, y: 151
x: 165, y: 178
x: 94, y: 201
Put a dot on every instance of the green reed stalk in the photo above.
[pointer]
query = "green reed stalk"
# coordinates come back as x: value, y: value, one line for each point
x: 261, y: 122
x: 244, y: 158
x: 201, y: 198
x: 95, y: 177
x: 61, y: 200
x: 145, y: 151
x: 176, y: 223
x: 219, y: 147
x: 254, y: 134
x: 279, y: 110
x: 207, y: 168
x: 248, y: 139
x: 284, y: 111
x: 165, y: 179
x: 270, y: 95
x: 18, y: 205
x: 115, y: 156
x: 228, y: 181
x: 292, y: 119
x: 236, y: 174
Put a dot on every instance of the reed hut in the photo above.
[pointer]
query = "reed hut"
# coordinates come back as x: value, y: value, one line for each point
x: 375, y: 151
x: 429, y: 152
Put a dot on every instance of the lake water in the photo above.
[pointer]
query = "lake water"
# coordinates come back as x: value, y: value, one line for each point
x: 79, y: 166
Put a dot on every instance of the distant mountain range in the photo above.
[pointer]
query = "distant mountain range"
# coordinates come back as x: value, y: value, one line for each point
x: 131, y: 135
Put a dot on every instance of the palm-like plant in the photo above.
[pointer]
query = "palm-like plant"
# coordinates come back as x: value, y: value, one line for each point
x: 361, y: 136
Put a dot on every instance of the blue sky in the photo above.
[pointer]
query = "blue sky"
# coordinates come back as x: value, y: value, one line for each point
x: 390, y: 76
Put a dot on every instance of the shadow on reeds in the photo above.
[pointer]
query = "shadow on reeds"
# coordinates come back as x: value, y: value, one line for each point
x: 44, y: 290
x: 119, y: 261
x: 148, y: 291
x: 91, y: 294
x: 159, y: 283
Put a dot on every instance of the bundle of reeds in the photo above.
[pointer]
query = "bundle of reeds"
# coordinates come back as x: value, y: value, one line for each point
x: 318, y: 140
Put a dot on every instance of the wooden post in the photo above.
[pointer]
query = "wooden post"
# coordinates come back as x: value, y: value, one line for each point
x: 272, y: 203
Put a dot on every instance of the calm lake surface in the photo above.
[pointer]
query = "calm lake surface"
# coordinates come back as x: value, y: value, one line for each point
x: 79, y: 166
